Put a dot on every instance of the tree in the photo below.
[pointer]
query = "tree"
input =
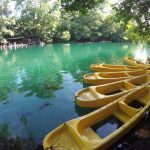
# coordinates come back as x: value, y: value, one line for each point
x: 38, y: 19
x: 111, y: 30
x: 62, y: 32
x: 95, y: 26
x: 137, y: 11
x: 5, y: 21
x: 82, y: 6
x: 136, y: 19
x: 127, y: 10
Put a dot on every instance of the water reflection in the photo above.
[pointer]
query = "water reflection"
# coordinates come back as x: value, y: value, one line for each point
x: 45, y: 105
x: 66, y: 49
x: 141, y: 55
x: 8, y: 142
x: 83, y: 111
x: 141, y: 52
x: 4, y: 131
x: 18, y: 144
x: 3, y: 93
x: 107, y: 126
x: 43, y: 80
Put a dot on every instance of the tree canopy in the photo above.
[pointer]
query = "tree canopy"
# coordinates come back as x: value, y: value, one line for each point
x: 82, y: 6
x: 138, y: 11
x: 5, y: 21
x: 76, y: 20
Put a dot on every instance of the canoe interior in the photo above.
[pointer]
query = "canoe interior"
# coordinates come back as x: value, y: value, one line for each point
x: 112, y: 75
x: 116, y: 74
x: 136, y: 104
x: 101, y: 95
x: 114, y: 66
x: 140, y: 80
x: 87, y: 94
x: 91, y: 76
x: 138, y: 73
x: 93, y: 93
x: 111, y: 89
x: 135, y: 67
x: 139, y: 62
x: 105, y: 78
x: 113, y: 92
x: 107, y: 126
x: 122, y: 111
x: 86, y: 132
x: 133, y: 61
x: 59, y: 140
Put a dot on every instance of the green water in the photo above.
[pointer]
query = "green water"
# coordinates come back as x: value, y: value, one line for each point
x: 37, y: 84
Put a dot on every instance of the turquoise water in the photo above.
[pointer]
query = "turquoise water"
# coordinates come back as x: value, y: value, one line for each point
x: 38, y: 84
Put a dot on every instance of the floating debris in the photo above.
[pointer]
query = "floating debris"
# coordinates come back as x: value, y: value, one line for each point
x: 44, y: 105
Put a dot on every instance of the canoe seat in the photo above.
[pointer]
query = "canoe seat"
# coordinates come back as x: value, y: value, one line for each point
x: 121, y: 116
x: 96, y: 94
x: 130, y: 111
x: 144, y: 100
x: 89, y: 134
x: 97, y: 76
x: 129, y: 85
x: 125, y: 112
x: 128, y: 75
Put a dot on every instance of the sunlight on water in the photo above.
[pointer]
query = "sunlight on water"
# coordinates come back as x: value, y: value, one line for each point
x: 141, y: 53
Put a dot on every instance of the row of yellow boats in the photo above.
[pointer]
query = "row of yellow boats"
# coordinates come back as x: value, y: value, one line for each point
x: 135, y: 65
x: 101, y: 95
x: 123, y: 94
x: 97, y: 78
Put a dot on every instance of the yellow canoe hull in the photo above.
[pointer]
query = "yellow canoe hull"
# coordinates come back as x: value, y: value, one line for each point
x: 134, y: 62
x: 114, y: 68
x: 109, y: 77
x: 101, y: 95
x: 79, y: 134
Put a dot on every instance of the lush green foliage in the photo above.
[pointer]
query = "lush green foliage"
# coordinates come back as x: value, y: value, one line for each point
x: 5, y: 21
x: 136, y: 16
x: 135, y: 11
x: 38, y: 20
x: 82, y: 6
x: 83, y: 21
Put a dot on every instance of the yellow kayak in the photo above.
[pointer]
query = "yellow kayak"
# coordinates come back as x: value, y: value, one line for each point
x: 92, y: 131
x: 114, y: 68
x: 101, y: 95
x: 134, y: 62
x: 97, y: 78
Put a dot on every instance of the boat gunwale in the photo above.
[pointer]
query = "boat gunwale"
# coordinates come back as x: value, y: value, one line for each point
x: 73, y: 124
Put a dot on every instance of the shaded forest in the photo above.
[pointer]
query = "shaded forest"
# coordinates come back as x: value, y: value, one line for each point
x: 66, y: 20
